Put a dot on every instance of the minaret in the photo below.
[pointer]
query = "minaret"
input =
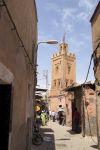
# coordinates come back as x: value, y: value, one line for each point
x: 64, y: 51
x: 63, y: 73
x: 63, y: 68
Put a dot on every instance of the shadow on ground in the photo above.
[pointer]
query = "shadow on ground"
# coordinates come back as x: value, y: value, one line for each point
x: 73, y: 132
x: 95, y: 146
x: 62, y: 139
x: 44, y: 130
x: 49, y: 139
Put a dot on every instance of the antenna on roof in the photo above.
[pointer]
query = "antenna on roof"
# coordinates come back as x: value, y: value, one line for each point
x: 64, y: 37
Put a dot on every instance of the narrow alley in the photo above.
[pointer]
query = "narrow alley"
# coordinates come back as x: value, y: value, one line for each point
x: 57, y: 137
x: 50, y: 74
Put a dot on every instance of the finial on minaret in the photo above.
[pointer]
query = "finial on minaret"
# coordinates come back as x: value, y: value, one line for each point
x: 64, y: 37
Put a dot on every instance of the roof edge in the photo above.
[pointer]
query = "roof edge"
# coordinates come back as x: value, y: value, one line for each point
x: 98, y: 5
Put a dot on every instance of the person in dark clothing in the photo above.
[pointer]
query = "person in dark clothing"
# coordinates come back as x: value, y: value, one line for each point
x: 76, y: 120
x: 64, y: 119
x: 60, y: 117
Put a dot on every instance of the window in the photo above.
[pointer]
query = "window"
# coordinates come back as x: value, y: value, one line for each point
x: 57, y: 68
x: 54, y: 83
x: 69, y: 68
x: 59, y: 82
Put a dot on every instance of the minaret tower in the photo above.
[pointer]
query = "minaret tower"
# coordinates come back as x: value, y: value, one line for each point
x: 63, y: 68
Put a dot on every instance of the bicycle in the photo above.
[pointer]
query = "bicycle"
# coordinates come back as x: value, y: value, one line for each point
x: 37, y: 139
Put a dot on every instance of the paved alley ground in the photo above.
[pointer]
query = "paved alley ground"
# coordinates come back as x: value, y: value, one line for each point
x: 57, y: 137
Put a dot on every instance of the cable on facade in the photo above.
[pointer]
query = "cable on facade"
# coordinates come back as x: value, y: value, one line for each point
x: 88, y: 69
x: 96, y: 62
x: 95, y: 51
x: 14, y: 28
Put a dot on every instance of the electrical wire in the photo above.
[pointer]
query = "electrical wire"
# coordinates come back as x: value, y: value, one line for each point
x: 14, y: 28
x: 88, y: 69
x: 94, y: 52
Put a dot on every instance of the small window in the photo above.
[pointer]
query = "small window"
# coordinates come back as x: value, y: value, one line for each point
x: 57, y: 68
x: 66, y: 82
x: 69, y: 68
x: 59, y: 82
x: 54, y: 83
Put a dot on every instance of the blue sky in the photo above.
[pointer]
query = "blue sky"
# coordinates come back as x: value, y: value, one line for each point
x: 56, y: 17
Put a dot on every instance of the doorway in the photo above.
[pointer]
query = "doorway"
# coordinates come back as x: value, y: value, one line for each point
x: 5, y: 119
x: 76, y: 103
x: 73, y: 108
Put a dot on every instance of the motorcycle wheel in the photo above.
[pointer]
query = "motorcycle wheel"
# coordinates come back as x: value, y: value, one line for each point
x: 37, y: 139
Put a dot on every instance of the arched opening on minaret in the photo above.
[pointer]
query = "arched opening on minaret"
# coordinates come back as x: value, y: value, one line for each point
x: 63, y: 46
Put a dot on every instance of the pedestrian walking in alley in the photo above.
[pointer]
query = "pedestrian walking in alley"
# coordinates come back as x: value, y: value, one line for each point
x: 64, y: 119
x: 60, y: 117
x: 53, y: 115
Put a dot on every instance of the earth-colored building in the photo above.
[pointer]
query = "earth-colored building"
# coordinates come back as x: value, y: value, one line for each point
x: 82, y: 97
x: 18, y: 38
x: 95, y: 25
x: 63, y: 75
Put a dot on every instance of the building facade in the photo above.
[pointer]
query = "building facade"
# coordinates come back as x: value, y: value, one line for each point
x: 84, y: 99
x: 63, y: 75
x: 95, y: 23
x: 18, y: 38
